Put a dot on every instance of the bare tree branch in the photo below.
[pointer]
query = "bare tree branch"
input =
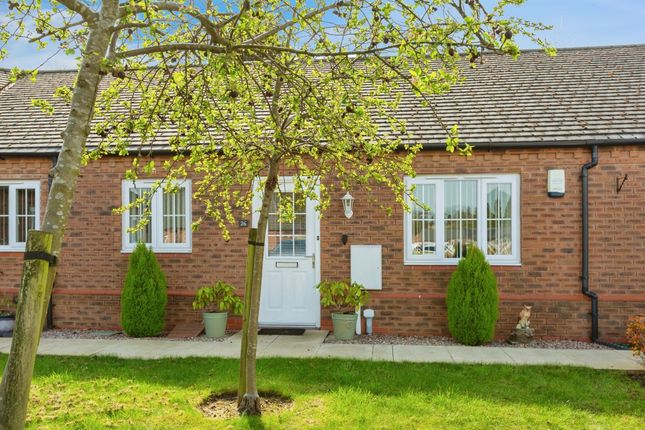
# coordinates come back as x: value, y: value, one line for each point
x: 210, y: 27
x: 288, y: 24
x: 65, y: 27
x: 250, y: 47
x: 80, y: 8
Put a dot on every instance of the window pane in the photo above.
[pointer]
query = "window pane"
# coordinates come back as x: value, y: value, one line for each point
x: 460, y: 217
x: 492, y: 202
x: 287, y: 238
x: 300, y: 206
x: 299, y: 245
x: 174, y: 217
x: 499, y: 223
x: 274, y: 224
x: 417, y: 234
x: 505, y: 200
x: 273, y: 245
x: 300, y: 224
x: 423, y: 220
x: 286, y: 245
x: 25, y: 213
x: 137, y: 213
x: 4, y: 215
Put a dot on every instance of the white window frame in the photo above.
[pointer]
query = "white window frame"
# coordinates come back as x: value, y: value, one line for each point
x: 482, y: 230
x: 287, y: 184
x: 156, y: 218
x: 14, y: 245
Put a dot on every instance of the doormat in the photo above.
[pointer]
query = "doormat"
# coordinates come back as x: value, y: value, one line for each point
x: 282, y: 331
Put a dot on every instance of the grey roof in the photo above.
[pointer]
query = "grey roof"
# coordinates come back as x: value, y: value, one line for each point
x: 581, y: 95
x: 4, y: 78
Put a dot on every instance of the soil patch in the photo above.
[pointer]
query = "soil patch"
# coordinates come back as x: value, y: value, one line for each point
x: 224, y: 405
x: 638, y: 376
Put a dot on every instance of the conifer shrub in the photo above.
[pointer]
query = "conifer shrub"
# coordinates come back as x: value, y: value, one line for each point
x: 472, y: 300
x: 144, y: 295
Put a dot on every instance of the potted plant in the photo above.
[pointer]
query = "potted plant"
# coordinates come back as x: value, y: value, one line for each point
x: 7, y: 316
x: 219, y: 298
x: 343, y: 298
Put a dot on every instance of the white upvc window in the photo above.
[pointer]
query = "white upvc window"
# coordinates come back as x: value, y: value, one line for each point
x: 457, y: 211
x: 19, y: 213
x: 168, y: 215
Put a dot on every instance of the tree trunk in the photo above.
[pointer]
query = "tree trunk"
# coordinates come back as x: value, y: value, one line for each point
x: 59, y: 202
x: 250, y: 404
x: 248, y: 287
x: 14, y: 390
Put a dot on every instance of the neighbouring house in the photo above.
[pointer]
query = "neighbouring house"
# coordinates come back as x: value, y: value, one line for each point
x: 547, y: 131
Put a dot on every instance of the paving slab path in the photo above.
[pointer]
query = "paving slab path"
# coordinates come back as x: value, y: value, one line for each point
x: 311, y: 344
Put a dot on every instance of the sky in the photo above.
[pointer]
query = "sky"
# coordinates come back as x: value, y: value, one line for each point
x: 575, y: 23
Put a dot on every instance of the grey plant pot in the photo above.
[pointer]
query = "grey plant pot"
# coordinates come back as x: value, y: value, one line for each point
x: 6, y: 326
x: 215, y: 323
x: 344, y: 325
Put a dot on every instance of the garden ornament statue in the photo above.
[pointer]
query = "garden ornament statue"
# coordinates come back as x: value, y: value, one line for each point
x: 525, y: 314
x: 523, y: 333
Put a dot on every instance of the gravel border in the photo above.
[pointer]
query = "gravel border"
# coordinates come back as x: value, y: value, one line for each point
x: 376, y: 339
x: 118, y: 335
x: 382, y: 339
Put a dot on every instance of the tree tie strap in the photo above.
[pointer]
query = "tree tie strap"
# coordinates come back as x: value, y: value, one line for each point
x: 251, y: 242
x: 41, y: 255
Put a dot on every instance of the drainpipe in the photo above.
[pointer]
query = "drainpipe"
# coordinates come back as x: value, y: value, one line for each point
x: 585, y: 252
x: 50, y: 307
x: 585, y: 243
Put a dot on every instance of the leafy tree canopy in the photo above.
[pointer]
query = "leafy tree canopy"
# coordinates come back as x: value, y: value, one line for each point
x: 233, y: 85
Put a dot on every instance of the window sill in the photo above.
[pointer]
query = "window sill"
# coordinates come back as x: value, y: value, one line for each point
x: 162, y: 251
x: 452, y: 267
x: 455, y: 263
x: 13, y: 249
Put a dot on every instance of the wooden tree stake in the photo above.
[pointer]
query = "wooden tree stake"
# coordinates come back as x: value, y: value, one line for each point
x: 248, y: 287
x: 14, y: 390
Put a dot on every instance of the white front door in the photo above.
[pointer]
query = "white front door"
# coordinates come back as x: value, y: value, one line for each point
x: 289, y: 297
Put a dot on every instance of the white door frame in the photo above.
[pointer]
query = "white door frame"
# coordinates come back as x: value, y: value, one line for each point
x: 285, y: 183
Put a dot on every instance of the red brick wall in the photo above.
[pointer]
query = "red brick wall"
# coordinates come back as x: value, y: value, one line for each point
x: 550, y: 246
x: 411, y: 301
x: 27, y: 169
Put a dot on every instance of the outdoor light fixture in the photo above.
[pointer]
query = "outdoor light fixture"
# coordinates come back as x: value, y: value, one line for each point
x: 348, y: 201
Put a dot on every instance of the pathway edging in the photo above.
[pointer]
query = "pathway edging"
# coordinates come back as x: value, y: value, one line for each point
x: 311, y: 345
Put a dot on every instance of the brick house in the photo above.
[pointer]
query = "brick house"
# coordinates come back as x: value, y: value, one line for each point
x: 528, y: 119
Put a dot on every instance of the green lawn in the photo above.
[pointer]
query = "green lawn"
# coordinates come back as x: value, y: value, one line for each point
x: 102, y: 392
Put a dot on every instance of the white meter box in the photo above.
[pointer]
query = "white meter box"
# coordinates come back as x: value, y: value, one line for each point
x: 366, y: 266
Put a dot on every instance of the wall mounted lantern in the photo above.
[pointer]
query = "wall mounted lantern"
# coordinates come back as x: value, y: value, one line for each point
x: 348, y: 202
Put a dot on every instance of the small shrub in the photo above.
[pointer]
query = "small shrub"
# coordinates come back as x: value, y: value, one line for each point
x: 219, y: 297
x: 144, y: 296
x: 636, y: 335
x: 342, y: 296
x: 472, y: 300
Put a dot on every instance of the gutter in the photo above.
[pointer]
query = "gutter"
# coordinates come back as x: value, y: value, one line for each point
x: 547, y: 144
x: 537, y: 144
